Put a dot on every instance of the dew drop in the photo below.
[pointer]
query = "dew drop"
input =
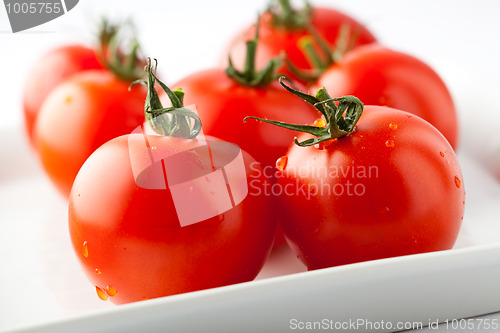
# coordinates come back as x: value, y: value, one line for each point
x: 441, y: 153
x: 458, y: 182
x: 111, y: 291
x: 154, y: 148
x: 101, y: 294
x: 393, y: 126
x: 389, y: 143
x: 281, y: 163
x: 319, y: 123
x: 98, y: 271
x: 85, y: 249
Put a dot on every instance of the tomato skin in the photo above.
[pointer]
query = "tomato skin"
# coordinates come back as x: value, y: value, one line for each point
x: 274, y: 39
x: 133, y: 237
x: 80, y: 115
x: 51, y: 70
x: 222, y: 104
x: 397, y: 208
x: 380, y: 76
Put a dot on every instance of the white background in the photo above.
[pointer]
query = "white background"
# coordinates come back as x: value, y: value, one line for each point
x: 459, y: 38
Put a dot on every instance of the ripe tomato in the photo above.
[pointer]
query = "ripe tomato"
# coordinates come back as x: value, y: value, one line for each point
x: 375, y: 192
x: 130, y: 201
x: 130, y: 239
x: 380, y: 76
x: 81, y: 114
x: 281, y: 32
x: 51, y: 70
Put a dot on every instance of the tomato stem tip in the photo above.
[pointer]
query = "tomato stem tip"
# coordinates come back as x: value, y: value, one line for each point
x: 341, y: 115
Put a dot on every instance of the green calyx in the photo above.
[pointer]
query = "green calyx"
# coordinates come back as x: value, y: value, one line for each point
x: 250, y: 77
x: 327, y: 56
x: 284, y: 15
x: 176, y: 121
x: 340, y: 117
x: 120, y: 53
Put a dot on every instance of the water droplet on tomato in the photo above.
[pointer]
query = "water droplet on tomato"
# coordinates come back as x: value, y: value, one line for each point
x: 319, y: 123
x: 458, y: 182
x: 154, y: 148
x: 111, y: 291
x: 389, y: 143
x: 101, y: 294
x: 393, y: 126
x: 98, y: 271
x: 85, y: 249
x: 441, y: 153
x: 208, y: 179
x: 281, y: 163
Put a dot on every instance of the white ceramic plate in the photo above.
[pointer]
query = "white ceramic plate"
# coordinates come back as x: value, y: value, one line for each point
x: 43, y: 289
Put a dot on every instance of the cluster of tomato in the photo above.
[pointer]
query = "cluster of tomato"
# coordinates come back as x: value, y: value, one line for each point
x: 365, y: 180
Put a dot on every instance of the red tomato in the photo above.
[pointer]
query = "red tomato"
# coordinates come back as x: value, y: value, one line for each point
x: 376, y: 193
x: 380, y: 76
x: 222, y: 103
x: 364, y: 185
x: 275, y: 38
x: 51, y: 70
x: 129, y: 239
x: 81, y: 114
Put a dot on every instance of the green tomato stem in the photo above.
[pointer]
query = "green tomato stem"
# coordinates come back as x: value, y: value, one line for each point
x: 128, y: 67
x: 337, y: 125
x: 285, y: 16
x: 329, y: 55
x: 250, y: 77
x: 176, y: 121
